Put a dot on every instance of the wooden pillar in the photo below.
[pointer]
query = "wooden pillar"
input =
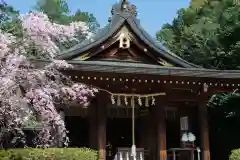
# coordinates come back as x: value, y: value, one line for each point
x: 142, y: 138
x: 203, y: 120
x: 161, y: 129
x: 150, y: 136
x: 92, y: 116
x: 101, y: 112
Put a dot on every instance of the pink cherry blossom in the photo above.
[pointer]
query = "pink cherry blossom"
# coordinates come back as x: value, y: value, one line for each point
x: 28, y: 92
x: 46, y: 35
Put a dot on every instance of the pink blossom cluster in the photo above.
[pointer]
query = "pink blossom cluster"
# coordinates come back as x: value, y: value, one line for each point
x: 53, y: 126
x: 5, y: 41
x: 78, y: 92
x: 46, y: 34
x: 26, y: 91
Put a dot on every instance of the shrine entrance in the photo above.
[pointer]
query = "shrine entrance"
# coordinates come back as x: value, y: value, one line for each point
x: 119, y: 135
x: 119, y: 131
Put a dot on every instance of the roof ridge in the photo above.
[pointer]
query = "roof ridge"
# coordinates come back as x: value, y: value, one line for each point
x: 120, y: 15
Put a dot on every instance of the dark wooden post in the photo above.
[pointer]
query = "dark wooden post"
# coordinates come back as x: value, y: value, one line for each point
x: 203, y: 120
x: 102, y: 127
x: 161, y: 129
x: 92, y: 115
x: 142, y: 138
x: 151, y: 137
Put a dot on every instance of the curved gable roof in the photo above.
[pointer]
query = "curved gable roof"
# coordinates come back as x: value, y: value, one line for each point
x: 120, y: 15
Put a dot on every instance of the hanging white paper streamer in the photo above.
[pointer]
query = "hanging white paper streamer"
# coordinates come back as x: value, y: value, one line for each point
x: 112, y: 99
x: 139, y: 101
x: 116, y: 99
x: 126, y: 100
x: 153, y: 101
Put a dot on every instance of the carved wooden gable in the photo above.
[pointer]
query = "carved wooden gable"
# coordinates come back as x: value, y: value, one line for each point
x: 123, y: 46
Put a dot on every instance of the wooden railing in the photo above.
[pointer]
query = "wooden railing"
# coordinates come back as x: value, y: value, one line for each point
x: 172, y: 154
x: 125, y: 154
x: 182, y: 154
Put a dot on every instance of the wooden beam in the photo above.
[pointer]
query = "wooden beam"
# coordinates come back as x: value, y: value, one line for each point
x: 204, y: 130
x: 99, y: 49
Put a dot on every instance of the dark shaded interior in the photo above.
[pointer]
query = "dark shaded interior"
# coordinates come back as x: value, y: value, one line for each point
x: 78, y: 128
x: 119, y: 134
x: 173, y: 133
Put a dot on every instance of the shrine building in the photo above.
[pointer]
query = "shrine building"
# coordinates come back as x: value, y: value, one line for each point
x: 149, y: 98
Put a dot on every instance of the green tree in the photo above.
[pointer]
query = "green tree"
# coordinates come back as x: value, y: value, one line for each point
x: 207, y: 33
x: 9, y: 21
x: 7, y: 12
x: 59, y: 12
x: 86, y: 17
x: 197, y: 3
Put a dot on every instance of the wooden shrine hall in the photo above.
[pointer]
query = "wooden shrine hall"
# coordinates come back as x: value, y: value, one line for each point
x: 151, y: 103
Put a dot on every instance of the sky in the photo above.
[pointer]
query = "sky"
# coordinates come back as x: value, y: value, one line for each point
x: 152, y: 13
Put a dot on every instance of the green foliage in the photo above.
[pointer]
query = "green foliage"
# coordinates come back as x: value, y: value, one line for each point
x: 7, y: 12
x: 9, y: 19
x: 224, y: 122
x: 197, y: 3
x: 49, y: 154
x: 86, y: 17
x: 58, y: 11
x: 206, y: 34
x: 235, y: 155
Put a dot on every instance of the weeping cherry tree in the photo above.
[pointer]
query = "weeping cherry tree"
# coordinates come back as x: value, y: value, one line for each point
x: 27, y: 92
